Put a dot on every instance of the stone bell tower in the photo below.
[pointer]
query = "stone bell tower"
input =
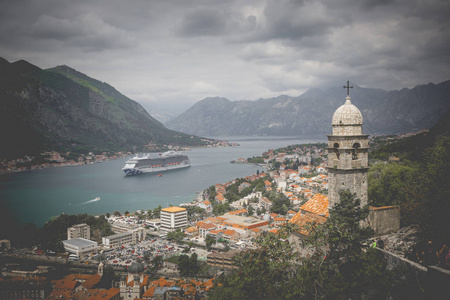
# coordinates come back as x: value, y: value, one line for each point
x: 348, y: 151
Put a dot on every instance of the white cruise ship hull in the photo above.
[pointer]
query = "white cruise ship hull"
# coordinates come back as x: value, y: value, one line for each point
x: 170, y: 160
x: 139, y: 171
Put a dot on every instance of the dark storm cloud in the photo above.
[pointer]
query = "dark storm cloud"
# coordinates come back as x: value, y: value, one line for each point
x: 203, y: 21
x: 297, y: 19
x: 174, y: 50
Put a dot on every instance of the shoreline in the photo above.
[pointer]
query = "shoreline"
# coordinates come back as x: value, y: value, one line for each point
x: 59, y: 161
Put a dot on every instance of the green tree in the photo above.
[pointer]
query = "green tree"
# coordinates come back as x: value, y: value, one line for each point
x: 436, y: 221
x: 337, y: 268
x: 188, y: 266
x: 250, y: 210
x: 209, y: 240
x: 156, y: 263
x: 220, y: 209
x: 261, y: 273
x: 176, y: 235
x: 403, y: 184
x: 157, y: 212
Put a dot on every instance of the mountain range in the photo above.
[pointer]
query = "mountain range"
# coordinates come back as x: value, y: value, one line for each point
x: 64, y: 110
x: 384, y: 112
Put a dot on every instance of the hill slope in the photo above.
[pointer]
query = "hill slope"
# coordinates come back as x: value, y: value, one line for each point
x: 64, y: 110
x: 384, y: 112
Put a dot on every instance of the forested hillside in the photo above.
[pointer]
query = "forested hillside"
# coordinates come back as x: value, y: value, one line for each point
x: 64, y: 110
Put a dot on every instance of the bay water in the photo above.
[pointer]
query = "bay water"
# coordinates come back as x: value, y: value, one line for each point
x: 36, y: 196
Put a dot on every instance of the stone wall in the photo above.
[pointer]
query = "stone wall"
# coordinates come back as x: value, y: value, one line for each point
x: 384, y: 220
x: 433, y: 281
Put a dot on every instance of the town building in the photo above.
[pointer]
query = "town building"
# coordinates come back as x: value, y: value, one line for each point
x: 242, y: 225
x: 24, y: 288
x: 80, y: 247
x: 79, y: 231
x: 135, y: 284
x: 348, y: 150
x: 125, y: 238
x: 173, y: 218
x: 223, y: 259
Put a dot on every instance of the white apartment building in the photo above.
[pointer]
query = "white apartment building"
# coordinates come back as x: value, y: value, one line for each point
x: 173, y: 218
x: 79, y: 231
x: 80, y: 246
x: 124, y: 238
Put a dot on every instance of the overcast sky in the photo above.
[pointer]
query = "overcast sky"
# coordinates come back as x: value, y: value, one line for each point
x: 172, y: 53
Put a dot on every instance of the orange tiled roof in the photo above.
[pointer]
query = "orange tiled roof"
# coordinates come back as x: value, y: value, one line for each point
x: 191, y: 229
x: 200, y: 223
x: 65, y: 284
x: 382, y: 207
x: 279, y: 219
x: 60, y: 294
x: 303, y: 220
x: 207, y: 202
x: 93, y: 280
x: 207, y: 226
x: 173, y: 209
x: 161, y: 282
x: 213, y: 220
x: 229, y: 232
x: 275, y: 230
x: 149, y: 292
x: 317, y: 205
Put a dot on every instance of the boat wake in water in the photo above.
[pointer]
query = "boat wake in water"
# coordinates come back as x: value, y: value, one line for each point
x: 90, y: 201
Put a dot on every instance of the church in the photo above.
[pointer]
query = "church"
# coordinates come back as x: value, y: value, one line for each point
x: 348, y: 166
x: 348, y: 153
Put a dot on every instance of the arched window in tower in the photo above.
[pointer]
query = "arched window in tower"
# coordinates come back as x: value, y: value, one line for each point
x: 355, y: 149
x: 336, y: 151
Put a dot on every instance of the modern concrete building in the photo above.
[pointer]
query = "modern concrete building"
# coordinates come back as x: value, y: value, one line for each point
x: 80, y: 246
x: 348, y: 150
x: 124, y: 238
x: 79, y: 231
x: 242, y: 225
x: 173, y: 218
x: 223, y: 259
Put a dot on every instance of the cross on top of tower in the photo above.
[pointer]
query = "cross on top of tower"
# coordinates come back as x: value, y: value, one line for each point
x: 348, y: 87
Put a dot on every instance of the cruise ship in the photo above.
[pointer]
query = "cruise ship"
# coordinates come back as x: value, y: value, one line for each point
x: 145, y: 163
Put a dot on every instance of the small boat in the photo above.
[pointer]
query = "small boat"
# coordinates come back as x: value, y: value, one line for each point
x: 159, y: 175
x: 97, y: 198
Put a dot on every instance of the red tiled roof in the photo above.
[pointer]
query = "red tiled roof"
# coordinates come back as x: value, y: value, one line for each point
x: 93, y: 280
x: 208, y: 226
x: 305, y: 219
x: 317, y: 205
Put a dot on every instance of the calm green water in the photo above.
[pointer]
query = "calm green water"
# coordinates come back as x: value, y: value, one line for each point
x: 36, y: 196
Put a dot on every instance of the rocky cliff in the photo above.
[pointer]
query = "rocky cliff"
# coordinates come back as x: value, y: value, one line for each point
x: 384, y: 112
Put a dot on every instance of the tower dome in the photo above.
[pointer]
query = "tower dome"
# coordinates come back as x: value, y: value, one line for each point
x: 136, y: 268
x: 347, y: 119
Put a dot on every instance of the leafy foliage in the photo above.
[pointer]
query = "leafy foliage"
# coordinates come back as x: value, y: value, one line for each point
x: 188, y: 266
x: 420, y: 186
x: 209, y: 240
x: 176, y: 235
x: 51, y: 235
x: 337, y: 267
